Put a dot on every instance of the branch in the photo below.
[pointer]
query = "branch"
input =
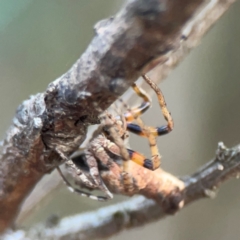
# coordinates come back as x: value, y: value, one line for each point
x: 126, y: 46
x: 59, y: 117
x: 205, y: 16
x: 135, y: 212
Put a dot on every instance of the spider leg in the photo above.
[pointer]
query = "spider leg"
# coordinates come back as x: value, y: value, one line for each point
x: 151, y: 133
x: 131, y: 115
x: 145, y: 131
x: 134, y: 113
x: 113, y: 135
x: 84, y: 179
x: 72, y: 189
x: 133, y: 155
x: 82, y: 193
x: 162, y: 103
x: 155, y: 131
x: 141, y: 160
x: 148, y: 132
x: 94, y: 172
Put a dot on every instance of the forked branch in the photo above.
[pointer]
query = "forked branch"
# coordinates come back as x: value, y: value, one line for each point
x: 142, y: 35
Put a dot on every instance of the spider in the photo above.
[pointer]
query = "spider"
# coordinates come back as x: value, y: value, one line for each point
x: 109, y: 139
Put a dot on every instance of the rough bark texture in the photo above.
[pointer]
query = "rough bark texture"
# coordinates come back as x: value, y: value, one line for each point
x: 126, y: 46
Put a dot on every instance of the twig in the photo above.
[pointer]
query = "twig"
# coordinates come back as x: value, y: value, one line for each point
x: 192, y: 34
x: 138, y: 211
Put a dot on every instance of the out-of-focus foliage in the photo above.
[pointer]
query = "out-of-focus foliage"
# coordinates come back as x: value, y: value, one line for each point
x: 10, y: 10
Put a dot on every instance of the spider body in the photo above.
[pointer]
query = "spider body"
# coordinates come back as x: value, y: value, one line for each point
x: 108, y: 140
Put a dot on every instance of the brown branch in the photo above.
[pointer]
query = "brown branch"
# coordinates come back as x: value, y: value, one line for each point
x: 193, y: 31
x: 110, y: 220
x: 124, y: 47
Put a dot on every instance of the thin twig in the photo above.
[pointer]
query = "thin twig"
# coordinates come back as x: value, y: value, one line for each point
x: 135, y: 212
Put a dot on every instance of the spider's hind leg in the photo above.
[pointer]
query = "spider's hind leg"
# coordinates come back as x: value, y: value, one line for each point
x: 146, y: 131
x: 162, y: 103
x: 133, y: 113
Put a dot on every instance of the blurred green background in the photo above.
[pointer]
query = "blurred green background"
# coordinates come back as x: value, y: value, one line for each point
x: 40, y: 40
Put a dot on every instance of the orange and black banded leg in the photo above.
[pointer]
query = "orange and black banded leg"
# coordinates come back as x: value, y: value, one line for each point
x: 141, y: 160
x: 150, y: 132
x: 161, y: 101
x: 134, y: 113
x: 138, y: 158
x: 158, y: 131
x: 130, y: 116
x: 165, y: 129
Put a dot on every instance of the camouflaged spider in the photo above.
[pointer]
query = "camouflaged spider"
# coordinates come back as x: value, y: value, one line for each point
x: 108, y: 139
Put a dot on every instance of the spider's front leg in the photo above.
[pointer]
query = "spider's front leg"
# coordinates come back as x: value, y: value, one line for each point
x: 94, y: 152
x: 81, y: 175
